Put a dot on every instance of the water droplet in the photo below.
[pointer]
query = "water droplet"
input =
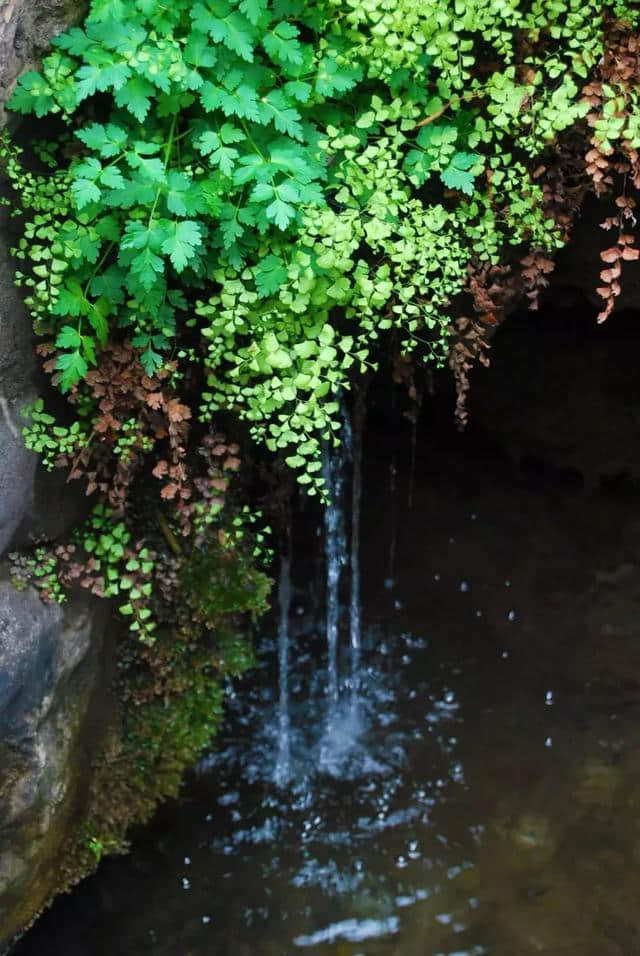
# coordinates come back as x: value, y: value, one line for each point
x: 548, y: 742
x: 464, y: 586
x: 507, y: 583
x: 388, y: 583
x: 401, y: 862
x: 436, y: 577
x: 457, y: 773
x: 473, y: 517
x: 185, y: 883
x: 478, y: 613
x: 505, y: 654
x: 548, y: 698
x: 187, y: 860
x: 397, y: 605
x: 206, y: 919
x: 511, y: 616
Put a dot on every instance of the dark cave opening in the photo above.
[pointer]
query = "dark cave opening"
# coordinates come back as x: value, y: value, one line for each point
x: 558, y: 407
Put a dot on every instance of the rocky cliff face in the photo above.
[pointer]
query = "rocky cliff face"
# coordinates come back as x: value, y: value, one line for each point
x: 17, y: 389
x: 26, y: 29
x: 26, y: 492
x: 53, y: 700
x: 54, y: 662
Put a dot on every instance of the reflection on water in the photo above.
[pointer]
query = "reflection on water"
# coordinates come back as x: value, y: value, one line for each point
x: 484, y: 798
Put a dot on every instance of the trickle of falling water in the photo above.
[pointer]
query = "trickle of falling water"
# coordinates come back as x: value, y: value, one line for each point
x: 393, y: 471
x: 336, y: 558
x: 414, y: 417
x: 356, y: 501
x: 283, y: 762
x: 391, y: 569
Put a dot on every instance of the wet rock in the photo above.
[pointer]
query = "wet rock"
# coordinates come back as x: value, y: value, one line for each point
x: 52, y: 699
x: 26, y: 29
x: 52, y: 668
x: 17, y: 369
x: 26, y: 490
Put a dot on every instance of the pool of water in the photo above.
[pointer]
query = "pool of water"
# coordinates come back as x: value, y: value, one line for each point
x: 482, y: 796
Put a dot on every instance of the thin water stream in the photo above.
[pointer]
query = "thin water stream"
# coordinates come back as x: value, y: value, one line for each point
x: 334, y: 464
x: 283, y: 760
x: 485, y: 801
x: 355, y: 622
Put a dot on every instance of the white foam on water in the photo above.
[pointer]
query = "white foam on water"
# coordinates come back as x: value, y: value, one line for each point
x: 352, y: 931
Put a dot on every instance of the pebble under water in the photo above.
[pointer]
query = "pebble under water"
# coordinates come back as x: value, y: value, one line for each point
x: 482, y: 798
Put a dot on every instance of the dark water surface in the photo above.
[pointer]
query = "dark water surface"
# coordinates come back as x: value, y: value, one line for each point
x: 484, y: 799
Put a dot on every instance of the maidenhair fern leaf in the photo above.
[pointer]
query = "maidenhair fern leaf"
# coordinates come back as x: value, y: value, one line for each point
x: 459, y: 173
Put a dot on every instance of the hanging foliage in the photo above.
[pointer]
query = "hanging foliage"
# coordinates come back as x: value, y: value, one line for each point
x: 246, y: 196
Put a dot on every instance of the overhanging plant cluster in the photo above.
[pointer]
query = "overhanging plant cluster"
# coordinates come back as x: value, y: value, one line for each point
x: 248, y: 194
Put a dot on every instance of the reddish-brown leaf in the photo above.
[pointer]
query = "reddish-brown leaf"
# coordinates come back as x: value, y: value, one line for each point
x: 155, y: 399
x: 611, y: 255
x: 177, y: 412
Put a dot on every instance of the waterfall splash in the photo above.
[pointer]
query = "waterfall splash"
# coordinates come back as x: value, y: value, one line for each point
x: 345, y: 716
x: 283, y: 762
x: 344, y: 712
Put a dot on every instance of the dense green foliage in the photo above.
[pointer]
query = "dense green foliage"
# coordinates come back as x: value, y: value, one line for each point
x: 262, y: 187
